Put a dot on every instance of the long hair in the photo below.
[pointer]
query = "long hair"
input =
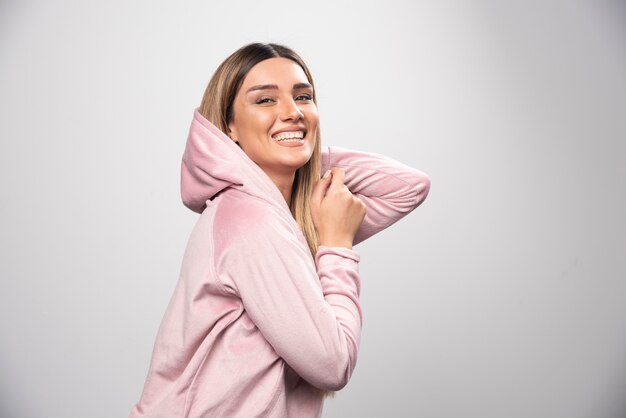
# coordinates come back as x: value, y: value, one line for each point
x: 217, y: 108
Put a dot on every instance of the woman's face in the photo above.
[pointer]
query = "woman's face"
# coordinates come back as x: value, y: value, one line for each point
x: 274, y: 117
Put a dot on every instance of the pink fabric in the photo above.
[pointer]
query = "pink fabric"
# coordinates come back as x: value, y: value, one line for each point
x: 256, y: 325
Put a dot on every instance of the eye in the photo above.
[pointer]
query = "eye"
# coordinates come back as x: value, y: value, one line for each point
x: 264, y: 100
x: 304, y: 97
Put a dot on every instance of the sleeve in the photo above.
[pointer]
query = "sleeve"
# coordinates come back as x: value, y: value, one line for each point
x: 389, y: 189
x: 315, y: 331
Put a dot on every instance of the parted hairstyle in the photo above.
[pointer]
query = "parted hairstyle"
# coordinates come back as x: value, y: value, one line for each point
x: 217, y: 108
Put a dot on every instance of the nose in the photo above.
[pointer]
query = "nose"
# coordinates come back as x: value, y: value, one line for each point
x: 291, y: 111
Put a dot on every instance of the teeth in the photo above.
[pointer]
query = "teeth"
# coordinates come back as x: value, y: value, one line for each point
x: 289, y: 136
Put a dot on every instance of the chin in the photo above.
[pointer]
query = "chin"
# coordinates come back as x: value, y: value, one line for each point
x: 294, y: 164
x: 295, y: 159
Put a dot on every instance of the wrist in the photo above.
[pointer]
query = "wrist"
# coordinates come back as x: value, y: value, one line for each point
x: 336, y: 242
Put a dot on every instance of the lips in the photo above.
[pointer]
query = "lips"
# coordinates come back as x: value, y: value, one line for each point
x: 294, y: 133
x: 288, y: 136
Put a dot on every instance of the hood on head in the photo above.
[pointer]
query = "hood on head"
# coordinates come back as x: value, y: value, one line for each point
x: 213, y: 162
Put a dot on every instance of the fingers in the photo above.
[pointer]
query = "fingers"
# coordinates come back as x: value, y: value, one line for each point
x: 337, y: 178
x: 333, y: 178
x: 336, y: 212
x: 320, y: 188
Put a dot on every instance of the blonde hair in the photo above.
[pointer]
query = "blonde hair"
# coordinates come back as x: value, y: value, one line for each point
x: 217, y: 108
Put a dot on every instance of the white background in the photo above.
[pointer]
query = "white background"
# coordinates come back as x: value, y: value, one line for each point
x: 503, y: 296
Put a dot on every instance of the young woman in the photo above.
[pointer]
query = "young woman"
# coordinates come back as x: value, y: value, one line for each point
x: 265, y: 320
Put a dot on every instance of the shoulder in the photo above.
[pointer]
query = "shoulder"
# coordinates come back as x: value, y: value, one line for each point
x: 253, y: 239
x: 235, y: 207
x: 242, y: 220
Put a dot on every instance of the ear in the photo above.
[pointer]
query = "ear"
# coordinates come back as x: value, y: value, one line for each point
x: 232, y: 133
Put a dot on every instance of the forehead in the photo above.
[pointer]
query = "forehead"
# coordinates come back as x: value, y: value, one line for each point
x: 280, y: 71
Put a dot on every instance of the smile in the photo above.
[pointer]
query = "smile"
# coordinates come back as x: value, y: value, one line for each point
x: 291, y: 136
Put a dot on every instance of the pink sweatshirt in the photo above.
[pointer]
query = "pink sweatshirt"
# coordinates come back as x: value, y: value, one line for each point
x: 256, y: 324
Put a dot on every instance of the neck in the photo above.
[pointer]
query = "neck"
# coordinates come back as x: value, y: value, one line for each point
x: 284, y: 182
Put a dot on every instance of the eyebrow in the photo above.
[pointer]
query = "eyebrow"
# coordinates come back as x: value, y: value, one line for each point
x: 297, y: 86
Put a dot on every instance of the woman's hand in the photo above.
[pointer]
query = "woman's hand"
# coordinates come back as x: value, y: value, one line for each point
x: 337, y: 213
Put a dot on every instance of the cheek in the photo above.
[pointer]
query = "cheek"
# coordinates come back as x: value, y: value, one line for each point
x: 312, y: 115
x: 313, y: 120
x: 251, y: 125
x: 259, y: 123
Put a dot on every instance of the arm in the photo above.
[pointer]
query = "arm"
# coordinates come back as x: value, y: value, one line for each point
x: 316, y: 331
x: 389, y: 189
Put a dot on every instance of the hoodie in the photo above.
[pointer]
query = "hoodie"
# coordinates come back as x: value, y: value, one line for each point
x: 256, y: 325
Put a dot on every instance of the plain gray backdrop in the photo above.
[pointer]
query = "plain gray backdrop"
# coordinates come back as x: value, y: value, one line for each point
x: 503, y: 296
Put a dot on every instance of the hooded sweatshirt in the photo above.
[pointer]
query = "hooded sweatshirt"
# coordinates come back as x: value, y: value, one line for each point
x: 256, y: 325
